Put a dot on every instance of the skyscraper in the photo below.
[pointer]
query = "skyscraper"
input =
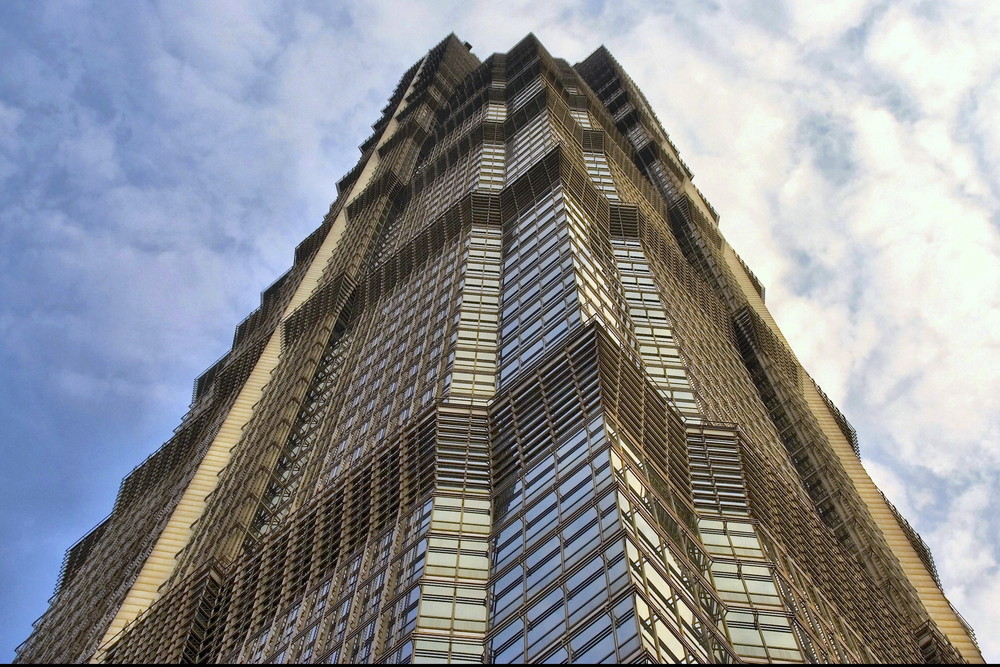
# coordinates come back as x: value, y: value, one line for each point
x: 516, y: 400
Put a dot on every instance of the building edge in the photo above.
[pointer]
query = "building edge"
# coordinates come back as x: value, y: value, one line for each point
x: 885, y: 515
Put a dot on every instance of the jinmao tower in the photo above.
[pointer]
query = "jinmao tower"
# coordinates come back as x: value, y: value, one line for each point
x: 516, y: 400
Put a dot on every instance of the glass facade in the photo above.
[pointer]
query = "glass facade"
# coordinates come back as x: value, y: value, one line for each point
x: 516, y: 401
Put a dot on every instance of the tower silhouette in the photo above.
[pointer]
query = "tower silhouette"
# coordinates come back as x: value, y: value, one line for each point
x: 516, y: 400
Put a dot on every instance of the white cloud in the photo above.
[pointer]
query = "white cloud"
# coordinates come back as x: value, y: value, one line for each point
x: 935, y: 293
x: 823, y: 22
x: 227, y: 42
x: 938, y: 58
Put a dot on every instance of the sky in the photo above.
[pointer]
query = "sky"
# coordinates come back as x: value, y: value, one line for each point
x: 159, y: 161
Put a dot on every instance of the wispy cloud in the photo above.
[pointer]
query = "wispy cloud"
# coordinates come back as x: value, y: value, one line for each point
x: 159, y: 161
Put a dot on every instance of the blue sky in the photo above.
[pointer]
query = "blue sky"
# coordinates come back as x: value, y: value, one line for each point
x: 160, y: 161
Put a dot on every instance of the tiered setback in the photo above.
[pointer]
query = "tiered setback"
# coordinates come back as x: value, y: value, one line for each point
x: 517, y: 400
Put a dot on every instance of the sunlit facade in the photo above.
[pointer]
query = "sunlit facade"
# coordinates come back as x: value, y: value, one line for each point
x: 517, y: 400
